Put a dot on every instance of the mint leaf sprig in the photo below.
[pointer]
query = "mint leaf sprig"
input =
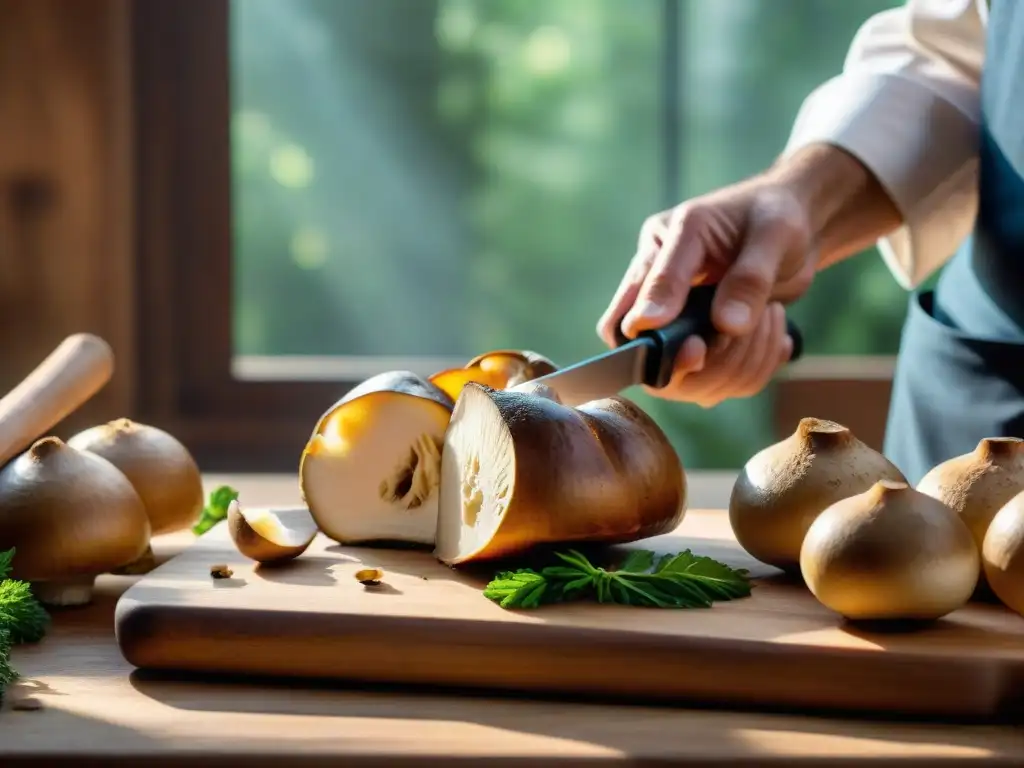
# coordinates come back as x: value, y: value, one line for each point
x: 682, y: 580
x: 216, y: 509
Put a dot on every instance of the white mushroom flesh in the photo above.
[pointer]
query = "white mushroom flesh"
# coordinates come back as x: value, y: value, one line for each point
x: 478, y: 469
x: 347, y: 495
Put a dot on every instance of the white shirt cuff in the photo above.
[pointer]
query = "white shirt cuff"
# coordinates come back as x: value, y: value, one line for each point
x: 922, y: 149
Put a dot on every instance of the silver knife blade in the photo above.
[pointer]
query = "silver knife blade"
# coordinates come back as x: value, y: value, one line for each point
x: 602, y: 376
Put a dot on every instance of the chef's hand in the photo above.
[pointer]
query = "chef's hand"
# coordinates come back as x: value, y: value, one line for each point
x: 754, y: 240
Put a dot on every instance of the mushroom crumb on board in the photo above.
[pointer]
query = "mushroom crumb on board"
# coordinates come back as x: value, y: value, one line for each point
x: 26, y: 704
x: 369, y: 577
x: 221, y: 571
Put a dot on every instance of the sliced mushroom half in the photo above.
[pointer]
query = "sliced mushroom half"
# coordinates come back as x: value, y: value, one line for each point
x: 371, y: 469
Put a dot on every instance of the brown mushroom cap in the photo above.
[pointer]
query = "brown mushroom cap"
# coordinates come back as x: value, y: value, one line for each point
x: 271, y: 535
x: 498, y: 369
x: 519, y: 469
x: 1002, y: 554
x: 160, y: 468
x: 978, y: 484
x: 890, y: 553
x: 371, y: 468
x: 69, y: 514
x: 784, y: 487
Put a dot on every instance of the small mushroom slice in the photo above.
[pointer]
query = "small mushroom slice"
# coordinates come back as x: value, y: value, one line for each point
x: 70, y: 515
x: 519, y: 469
x: 371, y: 469
x: 499, y: 369
x: 271, y: 535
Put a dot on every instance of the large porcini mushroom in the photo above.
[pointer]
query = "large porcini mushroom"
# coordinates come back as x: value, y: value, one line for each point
x: 70, y: 515
x: 519, y: 469
x: 890, y: 553
x: 978, y: 484
x: 161, y: 469
x: 784, y: 487
x: 1002, y: 554
x: 370, y: 471
x: 499, y: 369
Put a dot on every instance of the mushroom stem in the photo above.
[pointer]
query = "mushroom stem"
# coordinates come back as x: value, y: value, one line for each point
x: 994, y: 448
x: 822, y: 434
x: 143, y: 564
x: 66, y: 592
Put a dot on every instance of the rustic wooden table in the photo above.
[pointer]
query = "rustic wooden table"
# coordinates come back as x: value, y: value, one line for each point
x: 96, y: 711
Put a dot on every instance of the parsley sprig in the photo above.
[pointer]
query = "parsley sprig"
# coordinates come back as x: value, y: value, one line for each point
x: 22, y: 618
x: 216, y: 509
x: 682, y: 580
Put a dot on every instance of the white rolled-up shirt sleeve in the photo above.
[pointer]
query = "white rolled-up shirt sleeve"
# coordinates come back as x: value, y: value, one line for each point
x: 907, y: 105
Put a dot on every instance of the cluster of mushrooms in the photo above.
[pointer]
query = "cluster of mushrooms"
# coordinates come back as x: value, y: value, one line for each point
x: 77, y: 509
x: 824, y: 505
x: 471, y: 462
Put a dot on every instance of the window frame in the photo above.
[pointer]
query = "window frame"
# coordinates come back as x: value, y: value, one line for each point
x: 183, y: 245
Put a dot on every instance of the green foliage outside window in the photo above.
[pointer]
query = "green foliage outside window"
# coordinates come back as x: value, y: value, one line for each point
x: 444, y: 177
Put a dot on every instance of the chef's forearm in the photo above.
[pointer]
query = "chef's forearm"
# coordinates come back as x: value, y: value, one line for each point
x: 849, y: 208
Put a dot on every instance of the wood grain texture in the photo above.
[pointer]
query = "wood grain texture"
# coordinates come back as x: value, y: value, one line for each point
x: 430, y: 625
x: 66, y: 203
x: 97, y: 711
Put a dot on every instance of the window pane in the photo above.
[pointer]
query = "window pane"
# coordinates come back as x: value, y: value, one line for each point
x: 436, y: 178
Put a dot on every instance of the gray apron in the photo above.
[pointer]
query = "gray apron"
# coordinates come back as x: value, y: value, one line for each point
x: 960, y: 372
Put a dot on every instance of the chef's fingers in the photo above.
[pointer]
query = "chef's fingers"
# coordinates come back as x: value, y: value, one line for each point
x: 696, y: 387
x: 690, y: 361
x: 763, y: 357
x: 652, y: 234
x: 747, y: 284
x: 784, y: 348
x: 734, y: 369
x: 625, y: 295
x: 667, y: 284
x: 691, y: 356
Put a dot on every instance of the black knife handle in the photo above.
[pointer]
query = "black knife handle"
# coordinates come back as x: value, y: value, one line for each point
x: 694, y: 320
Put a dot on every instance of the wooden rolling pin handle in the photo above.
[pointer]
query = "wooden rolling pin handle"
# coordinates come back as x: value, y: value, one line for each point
x: 75, y: 371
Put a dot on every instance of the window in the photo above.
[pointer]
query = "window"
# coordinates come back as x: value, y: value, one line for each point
x: 349, y: 186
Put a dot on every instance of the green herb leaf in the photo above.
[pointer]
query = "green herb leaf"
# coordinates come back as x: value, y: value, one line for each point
x: 7, y: 673
x: 682, y: 580
x: 216, y: 509
x: 22, y: 618
x: 638, y: 561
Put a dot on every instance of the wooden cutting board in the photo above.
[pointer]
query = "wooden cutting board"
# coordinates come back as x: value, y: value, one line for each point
x: 428, y: 624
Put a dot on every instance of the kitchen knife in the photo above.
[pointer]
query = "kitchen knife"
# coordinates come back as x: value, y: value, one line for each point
x: 648, y: 359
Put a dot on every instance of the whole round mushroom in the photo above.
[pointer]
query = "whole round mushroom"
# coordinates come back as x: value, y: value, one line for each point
x: 1002, y: 554
x: 159, y: 466
x: 70, y: 515
x: 891, y: 552
x: 783, y: 488
x: 978, y: 484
